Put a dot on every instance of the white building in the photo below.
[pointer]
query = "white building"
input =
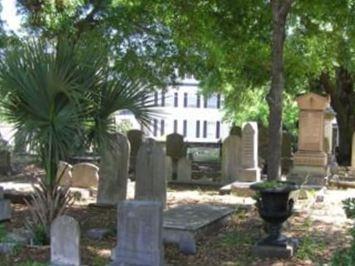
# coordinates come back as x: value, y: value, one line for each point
x: 183, y: 110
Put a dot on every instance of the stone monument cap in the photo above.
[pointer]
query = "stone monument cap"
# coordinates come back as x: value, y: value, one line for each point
x: 312, y: 101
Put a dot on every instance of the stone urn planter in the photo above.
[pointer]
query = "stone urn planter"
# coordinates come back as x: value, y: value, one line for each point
x: 275, y: 201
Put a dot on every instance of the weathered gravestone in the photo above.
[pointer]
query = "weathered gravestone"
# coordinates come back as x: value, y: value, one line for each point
x: 65, y: 245
x: 85, y: 175
x: 235, y: 131
x: 310, y: 161
x: 168, y: 168
x: 139, y: 234
x: 150, y: 173
x: 175, y: 146
x: 176, y: 149
x: 251, y: 170
x: 5, y: 157
x: 184, y: 170
x: 114, y: 171
x: 64, y: 173
x: 5, y: 207
x: 263, y: 143
x: 286, y: 153
x: 135, y: 138
x: 231, y: 158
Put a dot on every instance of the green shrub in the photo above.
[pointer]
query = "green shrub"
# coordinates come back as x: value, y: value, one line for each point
x: 309, y: 248
x: 346, y: 257
x: 349, y: 207
x: 3, y: 232
x: 40, y: 235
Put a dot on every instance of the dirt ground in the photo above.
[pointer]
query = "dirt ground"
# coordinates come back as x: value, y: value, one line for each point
x: 321, y: 229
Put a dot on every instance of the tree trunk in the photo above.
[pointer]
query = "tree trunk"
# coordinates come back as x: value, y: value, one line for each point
x: 280, y: 9
x: 342, y: 97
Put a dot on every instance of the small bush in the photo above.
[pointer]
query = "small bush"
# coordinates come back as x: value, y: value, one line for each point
x: 345, y: 257
x: 349, y: 207
x: 309, y: 248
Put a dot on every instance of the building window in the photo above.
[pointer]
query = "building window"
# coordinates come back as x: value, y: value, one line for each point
x: 192, y: 100
x: 218, y: 101
x: 197, y: 129
x: 198, y: 101
x: 163, y: 98
x: 185, y: 99
x: 162, y: 127
x: 218, y: 128
x: 204, y: 101
x: 176, y: 99
x: 212, y: 102
x: 175, y: 126
x: 156, y: 98
x: 185, y: 128
x: 155, y: 127
x: 204, y: 129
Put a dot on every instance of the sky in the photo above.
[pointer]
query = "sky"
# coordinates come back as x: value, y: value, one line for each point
x: 9, y: 16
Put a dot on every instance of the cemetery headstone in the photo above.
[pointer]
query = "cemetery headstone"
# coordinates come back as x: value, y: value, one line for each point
x: 263, y: 142
x: 168, y: 168
x: 251, y: 170
x: 5, y: 207
x: 235, y: 131
x: 135, y: 138
x: 231, y: 158
x: 114, y: 171
x: 184, y: 169
x: 176, y: 149
x: 64, y: 173
x: 150, y: 172
x: 139, y: 234
x: 329, y: 115
x: 5, y: 157
x: 85, y: 175
x: 310, y: 161
x: 175, y: 146
x: 65, y: 238
x: 286, y: 153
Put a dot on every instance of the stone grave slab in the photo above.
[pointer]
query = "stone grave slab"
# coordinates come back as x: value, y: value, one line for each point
x: 184, y: 224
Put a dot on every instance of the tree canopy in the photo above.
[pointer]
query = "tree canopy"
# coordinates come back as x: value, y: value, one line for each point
x: 225, y: 44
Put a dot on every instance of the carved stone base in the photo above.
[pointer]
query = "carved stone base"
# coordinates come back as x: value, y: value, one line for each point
x: 310, y: 158
x: 271, y: 251
x: 250, y: 175
x: 308, y: 175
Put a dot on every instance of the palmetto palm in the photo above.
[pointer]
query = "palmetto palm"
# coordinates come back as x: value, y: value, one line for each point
x: 53, y: 95
x: 56, y: 95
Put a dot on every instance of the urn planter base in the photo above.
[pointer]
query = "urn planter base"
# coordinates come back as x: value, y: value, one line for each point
x: 284, y: 249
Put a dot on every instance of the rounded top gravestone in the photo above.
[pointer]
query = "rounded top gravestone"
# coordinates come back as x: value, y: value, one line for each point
x: 135, y: 138
x: 65, y: 237
x: 235, y: 131
x: 175, y: 146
